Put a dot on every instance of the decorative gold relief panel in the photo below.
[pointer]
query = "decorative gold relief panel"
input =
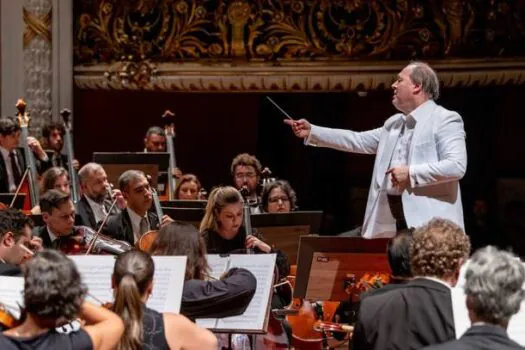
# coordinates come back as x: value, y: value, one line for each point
x: 139, y: 42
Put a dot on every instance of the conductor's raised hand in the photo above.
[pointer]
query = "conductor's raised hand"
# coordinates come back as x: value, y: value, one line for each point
x: 301, y: 128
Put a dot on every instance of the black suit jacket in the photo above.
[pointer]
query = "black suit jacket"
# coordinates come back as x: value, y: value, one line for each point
x: 119, y: 226
x: 4, y: 181
x: 41, y: 231
x: 87, y: 218
x: 10, y: 270
x: 482, y: 337
x: 412, y: 317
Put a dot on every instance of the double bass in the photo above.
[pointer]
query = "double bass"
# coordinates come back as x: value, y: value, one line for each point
x: 169, y: 129
x: 68, y: 143
x: 30, y: 178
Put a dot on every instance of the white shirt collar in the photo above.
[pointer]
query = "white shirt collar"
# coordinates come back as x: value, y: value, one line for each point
x: 437, y: 280
x: 422, y: 111
x: 135, y: 222
x: 99, y: 211
x: 52, y: 236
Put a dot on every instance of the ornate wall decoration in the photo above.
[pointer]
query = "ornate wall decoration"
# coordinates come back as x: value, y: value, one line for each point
x: 293, y: 32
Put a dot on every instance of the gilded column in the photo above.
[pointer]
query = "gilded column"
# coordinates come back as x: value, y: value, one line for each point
x: 37, y: 15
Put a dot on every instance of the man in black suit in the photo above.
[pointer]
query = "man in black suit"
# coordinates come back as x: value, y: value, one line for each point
x: 15, y: 241
x: 58, y: 214
x: 12, y: 162
x: 420, y: 313
x: 95, y: 204
x: 53, y: 142
x: 493, y: 285
x: 136, y: 219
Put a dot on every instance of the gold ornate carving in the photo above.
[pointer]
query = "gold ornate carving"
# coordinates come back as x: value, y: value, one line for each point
x: 37, y: 26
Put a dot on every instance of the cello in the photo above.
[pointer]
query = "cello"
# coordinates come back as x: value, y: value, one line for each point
x: 28, y: 183
x: 169, y: 129
x: 68, y: 143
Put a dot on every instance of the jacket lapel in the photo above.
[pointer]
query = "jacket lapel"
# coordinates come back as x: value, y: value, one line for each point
x: 388, y: 150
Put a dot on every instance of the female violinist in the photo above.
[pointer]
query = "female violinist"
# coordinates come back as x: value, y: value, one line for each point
x: 146, y: 328
x: 278, y: 197
x: 53, y: 178
x: 54, y: 293
x: 203, y: 298
x: 188, y: 188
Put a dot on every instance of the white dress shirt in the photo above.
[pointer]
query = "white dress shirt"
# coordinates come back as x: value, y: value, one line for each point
x: 9, y: 169
x: 99, y: 210
x: 135, y: 224
x: 52, y: 236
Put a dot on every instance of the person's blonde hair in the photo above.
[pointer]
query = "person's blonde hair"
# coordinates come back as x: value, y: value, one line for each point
x: 438, y: 248
x: 219, y: 198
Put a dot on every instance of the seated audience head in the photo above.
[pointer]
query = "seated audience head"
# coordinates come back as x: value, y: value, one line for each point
x: 93, y: 182
x: 224, y: 212
x: 58, y: 212
x: 182, y: 239
x: 155, y: 140
x: 53, y: 288
x: 53, y: 136
x: 188, y: 187
x: 55, y: 178
x: 136, y: 190
x: 278, y: 197
x: 494, y: 286
x: 9, y: 133
x: 15, y: 231
x: 438, y: 250
x: 398, y: 252
x: 132, y: 281
x: 246, y: 172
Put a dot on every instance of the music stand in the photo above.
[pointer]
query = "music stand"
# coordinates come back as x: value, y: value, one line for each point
x: 326, y: 263
x: 7, y: 198
x: 190, y: 215
x: 180, y: 203
x: 283, y: 230
x: 115, y: 163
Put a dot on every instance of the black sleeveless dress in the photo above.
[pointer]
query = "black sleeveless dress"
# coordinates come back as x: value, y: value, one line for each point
x: 78, y: 340
x: 154, y: 332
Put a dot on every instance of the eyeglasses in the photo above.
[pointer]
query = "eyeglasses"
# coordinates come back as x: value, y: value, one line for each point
x: 277, y: 199
x: 245, y: 175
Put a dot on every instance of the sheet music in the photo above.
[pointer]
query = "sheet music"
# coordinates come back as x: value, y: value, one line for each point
x: 168, y: 281
x: 11, y: 289
x: 218, y: 264
x: 253, y: 319
x: 515, y: 330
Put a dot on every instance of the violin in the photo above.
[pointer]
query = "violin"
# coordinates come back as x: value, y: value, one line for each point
x: 85, y: 241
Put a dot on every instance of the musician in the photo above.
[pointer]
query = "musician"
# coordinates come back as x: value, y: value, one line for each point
x: 246, y: 172
x: 15, y: 232
x: 131, y: 223
x: 278, y: 197
x: 58, y: 214
x: 203, y: 298
x: 155, y: 140
x: 53, y: 143
x: 53, y: 293
x: 12, y: 161
x: 188, y: 188
x: 420, y: 313
x: 132, y: 282
x: 53, y: 178
x: 94, y: 204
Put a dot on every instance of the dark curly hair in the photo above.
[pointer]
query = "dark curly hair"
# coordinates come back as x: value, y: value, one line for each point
x: 286, y: 187
x: 437, y: 248
x: 49, y: 127
x: 14, y: 221
x: 8, y: 125
x: 53, y: 287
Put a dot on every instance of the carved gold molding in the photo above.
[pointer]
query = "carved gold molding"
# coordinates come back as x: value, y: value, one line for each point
x: 299, y: 77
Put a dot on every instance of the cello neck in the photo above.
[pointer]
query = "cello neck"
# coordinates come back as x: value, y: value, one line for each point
x: 169, y: 130
x: 68, y: 143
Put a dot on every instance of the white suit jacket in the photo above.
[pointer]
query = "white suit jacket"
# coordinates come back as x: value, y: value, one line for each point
x: 437, y: 160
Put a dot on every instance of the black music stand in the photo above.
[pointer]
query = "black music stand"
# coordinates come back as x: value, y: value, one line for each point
x: 327, y: 263
x: 283, y: 230
x: 115, y: 163
x: 180, y: 203
x: 190, y: 215
x: 7, y: 198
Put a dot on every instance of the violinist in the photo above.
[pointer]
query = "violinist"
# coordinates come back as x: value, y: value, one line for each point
x: 12, y: 161
x: 246, y: 171
x: 188, y: 188
x: 94, y: 203
x: 15, y: 241
x: 53, y: 143
x: 58, y: 214
x: 53, y: 178
x: 278, y: 197
x: 130, y: 224
x: 54, y: 293
x: 145, y: 328
x: 203, y: 298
